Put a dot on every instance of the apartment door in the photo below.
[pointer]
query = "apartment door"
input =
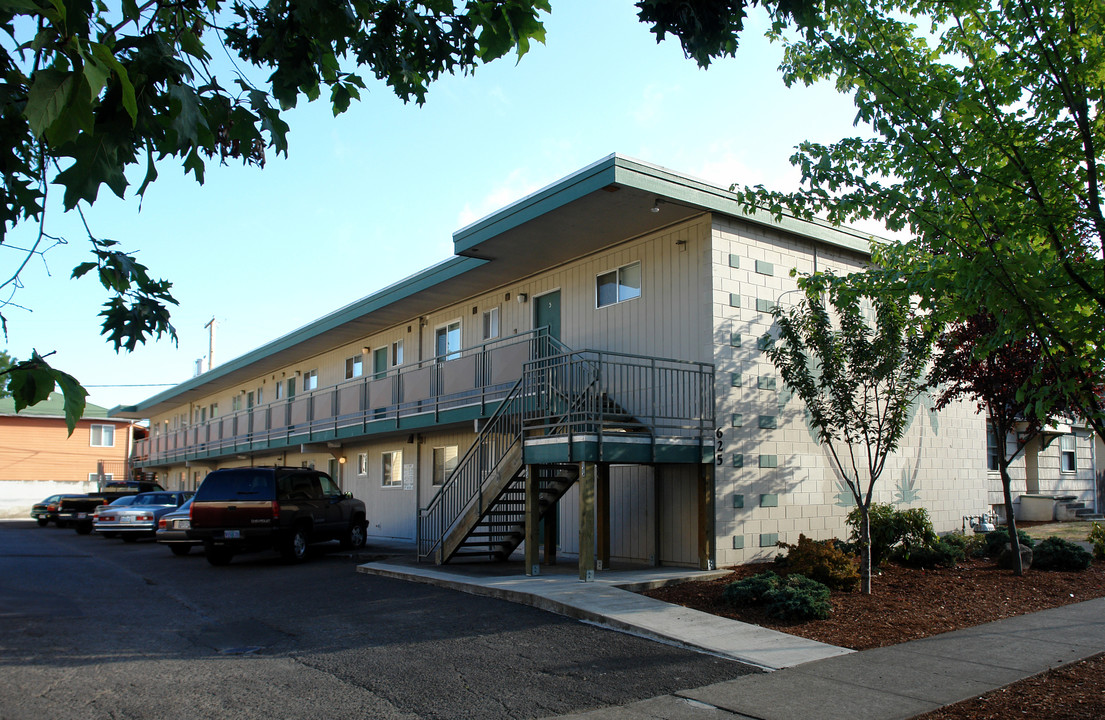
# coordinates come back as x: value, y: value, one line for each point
x: 546, y: 312
x: 379, y: 363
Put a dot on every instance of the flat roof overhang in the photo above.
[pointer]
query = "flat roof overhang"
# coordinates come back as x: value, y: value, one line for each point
x: 604, y: 204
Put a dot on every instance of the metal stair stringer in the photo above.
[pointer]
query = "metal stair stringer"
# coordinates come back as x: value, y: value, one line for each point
x: 494, y: 483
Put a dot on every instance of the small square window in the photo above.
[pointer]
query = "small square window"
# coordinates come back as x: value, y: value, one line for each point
x: 445, y: 462
x: 102, y: 436
x: 391, y: 465
x: 618, y: 285
x: 310, y: 380
x: 491, y: 324
x: 354, y: 367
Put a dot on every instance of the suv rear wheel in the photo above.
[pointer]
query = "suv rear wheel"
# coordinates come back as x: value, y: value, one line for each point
x: 295, y: 545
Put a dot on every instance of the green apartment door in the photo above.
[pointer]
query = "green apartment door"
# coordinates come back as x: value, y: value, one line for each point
x: 546, y: 312
x: 379, y: 363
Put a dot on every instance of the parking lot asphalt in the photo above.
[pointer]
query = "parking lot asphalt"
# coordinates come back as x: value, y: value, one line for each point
x: 95, y: 628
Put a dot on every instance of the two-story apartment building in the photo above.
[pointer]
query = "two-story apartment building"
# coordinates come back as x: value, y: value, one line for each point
x: 586, y: 373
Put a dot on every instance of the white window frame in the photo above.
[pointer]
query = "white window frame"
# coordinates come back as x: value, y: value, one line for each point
x: 280, y: 390
x: 491, y: 323
x: 214, y: 412
x: 354, y: 366
x: 1070, y: 453
x: 102, y: 428
x: 362, y: 464
x: 95, y: 477
x: 449, y: 354
x: 396, y: 357
x: 617, y: 273
x: 391, y: 477
x: 310, y: 380
x: 438, y: 478
x: 992, y: 450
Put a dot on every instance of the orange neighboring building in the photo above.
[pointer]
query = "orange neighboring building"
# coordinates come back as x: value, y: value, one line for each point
x: 38, y: 458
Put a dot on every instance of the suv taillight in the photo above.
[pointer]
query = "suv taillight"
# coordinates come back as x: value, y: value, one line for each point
x: 275, y: 510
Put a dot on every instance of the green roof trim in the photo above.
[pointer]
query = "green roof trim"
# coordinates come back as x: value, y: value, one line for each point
x: 439, y: 273
x: 619, y: 170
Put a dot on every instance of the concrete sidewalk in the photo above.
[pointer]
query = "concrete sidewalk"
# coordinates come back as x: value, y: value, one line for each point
x: 894, y: 682
x: 811, y: 680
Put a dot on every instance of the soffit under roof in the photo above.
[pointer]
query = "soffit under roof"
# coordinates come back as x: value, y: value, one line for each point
x: 604, y: 204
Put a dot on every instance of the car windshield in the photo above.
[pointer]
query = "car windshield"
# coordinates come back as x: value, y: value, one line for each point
x: 155, y: 499
x: 125, y: 500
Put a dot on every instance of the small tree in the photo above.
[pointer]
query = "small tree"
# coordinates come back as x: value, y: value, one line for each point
x: 857, y: 356
x: 1001, y: 382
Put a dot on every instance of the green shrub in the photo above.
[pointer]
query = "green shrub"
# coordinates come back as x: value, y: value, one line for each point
x: 973, y: 545
x: 939, y: 553
x: 795, y: 597
x: 750, y: 590
x: 999, y: 538
x: 799, y: 598
x: 1058, y: 554
x: 891, y: 528
x: 822, y: 561
x: 1097, y: 537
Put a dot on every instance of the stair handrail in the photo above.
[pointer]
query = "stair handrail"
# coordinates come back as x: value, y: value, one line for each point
x: 495, y: 440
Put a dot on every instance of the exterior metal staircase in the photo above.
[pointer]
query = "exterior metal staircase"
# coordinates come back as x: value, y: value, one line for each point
x: 480, y: 509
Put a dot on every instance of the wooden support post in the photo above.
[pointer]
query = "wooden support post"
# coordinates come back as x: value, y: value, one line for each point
x: 602, y: 515
x: 551, y: 522
x: 586, y: 522
x: 707, y: 538
x: 533, y: 519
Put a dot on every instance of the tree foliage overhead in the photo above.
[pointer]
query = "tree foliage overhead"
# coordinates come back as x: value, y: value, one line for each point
x: 857, y: 355
x: 987, y: 145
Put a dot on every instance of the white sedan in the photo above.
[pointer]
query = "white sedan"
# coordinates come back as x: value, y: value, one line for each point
x: 139, y: 519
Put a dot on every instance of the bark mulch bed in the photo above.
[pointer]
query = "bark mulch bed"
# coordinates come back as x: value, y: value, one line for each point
x: 907, y: 604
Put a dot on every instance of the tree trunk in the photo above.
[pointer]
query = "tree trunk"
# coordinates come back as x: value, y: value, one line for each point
x: 1011, y: 521
x: 864, y: 549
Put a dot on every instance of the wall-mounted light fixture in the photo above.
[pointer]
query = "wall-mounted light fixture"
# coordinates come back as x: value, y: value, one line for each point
x: 522, y: 298
x: 656, y: 205
x: 341, y: 460
x: 364, y: 350
x: 297, y: 373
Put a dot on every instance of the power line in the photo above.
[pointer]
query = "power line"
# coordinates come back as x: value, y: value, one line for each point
x: 124, y: 386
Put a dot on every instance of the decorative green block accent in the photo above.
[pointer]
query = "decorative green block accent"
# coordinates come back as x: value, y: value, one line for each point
x: 734, y: 300
x: 765, y: 268
x: 767, y: 382
x: 738, y: 420
x: 768, y: 539
x: 734, y: 339
x: 769, y: 500
x: 738, y: 501
x: 738, y: 462
x: 768, y: 422
x: 765, y: 342
x: 737, y: 380
x: 769, y: 461
x: 764, y: 305
x: 738, y: 542
x: 734, y: 261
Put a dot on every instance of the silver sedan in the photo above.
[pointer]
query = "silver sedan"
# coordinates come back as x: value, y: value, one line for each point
x: 140, y: 518
x: 172, y: 530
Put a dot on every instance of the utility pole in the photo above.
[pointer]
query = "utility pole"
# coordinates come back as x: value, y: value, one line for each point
x: 211, y: 343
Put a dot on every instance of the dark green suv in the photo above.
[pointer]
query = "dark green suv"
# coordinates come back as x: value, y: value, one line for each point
x: 282, y: 508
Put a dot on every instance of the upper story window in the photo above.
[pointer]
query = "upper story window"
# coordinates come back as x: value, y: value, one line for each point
x: 1068, y: 460
x: 618, y: 285
x: 291, y: 387
x: 447, y: 341
x: 279, y: 391
x: 214, y: 410
x: 102, y: 436
x: 397, y: 353
x: 236, y: 403
x: 354, y: 367
x: 310, y: 380
x: 491, y: 324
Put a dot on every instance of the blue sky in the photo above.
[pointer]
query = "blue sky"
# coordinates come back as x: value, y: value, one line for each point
x: 374, y: 195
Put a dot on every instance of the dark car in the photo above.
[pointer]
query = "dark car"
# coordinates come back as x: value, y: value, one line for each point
x: 283, y: 508
x: 46, y: 511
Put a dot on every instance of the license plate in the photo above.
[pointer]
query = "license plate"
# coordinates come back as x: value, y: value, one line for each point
x: 182, y: 524
x: 126, y: 520
x: 82, y: 516
x: 232, y: 534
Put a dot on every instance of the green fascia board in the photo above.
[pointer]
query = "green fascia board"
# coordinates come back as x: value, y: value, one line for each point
x: 619, y: 170
x: 419, y: 282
